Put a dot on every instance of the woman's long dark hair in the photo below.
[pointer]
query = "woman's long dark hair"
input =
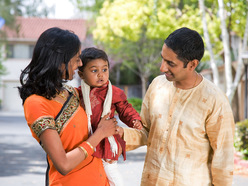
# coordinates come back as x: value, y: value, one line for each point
x: 43, y: 75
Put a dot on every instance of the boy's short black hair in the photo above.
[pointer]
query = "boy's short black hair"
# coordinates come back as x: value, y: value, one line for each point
x: 92, y: 53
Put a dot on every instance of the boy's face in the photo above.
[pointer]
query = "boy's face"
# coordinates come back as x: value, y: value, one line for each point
x: 95, y: 73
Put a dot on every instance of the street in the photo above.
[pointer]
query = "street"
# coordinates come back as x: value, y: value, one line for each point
x: 23, y: 162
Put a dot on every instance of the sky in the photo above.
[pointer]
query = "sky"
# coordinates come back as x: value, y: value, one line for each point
x: 63, y: 9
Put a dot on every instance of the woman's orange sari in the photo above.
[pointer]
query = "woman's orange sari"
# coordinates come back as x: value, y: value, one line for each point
x: 71, y: 124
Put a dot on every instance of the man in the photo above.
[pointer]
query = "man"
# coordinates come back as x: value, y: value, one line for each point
x: 188, y: 122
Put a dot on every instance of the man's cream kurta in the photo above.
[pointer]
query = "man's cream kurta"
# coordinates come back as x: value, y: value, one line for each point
x: 189, y: 135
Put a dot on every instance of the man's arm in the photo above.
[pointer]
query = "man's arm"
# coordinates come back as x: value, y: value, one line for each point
x: 135, y: 138
x: 220, y: 130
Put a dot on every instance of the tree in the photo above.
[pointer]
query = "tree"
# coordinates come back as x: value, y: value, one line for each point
x: 241, y: 30
x: 144, y: 53
x: 208, y: 43
x: 227, y: 54
x: 130, y: 20
x: 143, y: 24
x: 229, y: 13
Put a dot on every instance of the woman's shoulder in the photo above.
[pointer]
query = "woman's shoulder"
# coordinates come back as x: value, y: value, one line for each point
x: 35, y: 99
x: 72, y: 90
x: 36, y: 106
x: 35, y: 102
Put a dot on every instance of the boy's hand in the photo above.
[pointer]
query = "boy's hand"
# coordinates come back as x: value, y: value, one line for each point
x: 137, y: 124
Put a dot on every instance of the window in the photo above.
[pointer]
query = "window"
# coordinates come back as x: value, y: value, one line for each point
x: 31, y: 49
x: 10, y: 51
x: 21, y: 51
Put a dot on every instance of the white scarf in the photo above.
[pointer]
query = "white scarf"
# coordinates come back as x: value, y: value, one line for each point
x: 85, y: 88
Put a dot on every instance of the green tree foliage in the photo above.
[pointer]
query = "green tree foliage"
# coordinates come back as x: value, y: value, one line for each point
x: 126, y: 19
x: 138, y: 28
x: 120, y: 24
x: 236, y: 15
x: 93, y: 6
x: 241, y: 138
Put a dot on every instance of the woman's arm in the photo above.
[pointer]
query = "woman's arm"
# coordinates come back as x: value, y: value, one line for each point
x: 65, y: 162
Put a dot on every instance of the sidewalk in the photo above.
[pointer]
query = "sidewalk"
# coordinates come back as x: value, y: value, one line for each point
x: 12, y: 113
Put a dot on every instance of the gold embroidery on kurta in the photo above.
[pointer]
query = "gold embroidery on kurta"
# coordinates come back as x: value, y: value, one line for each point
x: 161, y: 149
x: 204, y: 100
x: 187, y: 155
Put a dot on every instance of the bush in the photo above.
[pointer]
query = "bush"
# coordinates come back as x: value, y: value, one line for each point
x: 241, y: 138
x: 136, y: 103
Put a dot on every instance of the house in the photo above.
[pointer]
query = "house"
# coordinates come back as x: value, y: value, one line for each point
x: 20, y: 47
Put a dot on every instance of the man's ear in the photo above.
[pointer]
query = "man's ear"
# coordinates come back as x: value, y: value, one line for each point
x: 80, y: 74
x: 193, y: 64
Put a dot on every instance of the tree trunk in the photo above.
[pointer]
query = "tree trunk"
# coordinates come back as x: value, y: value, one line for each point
x: 144, y: 81
x: 227, y: 54
x: 118, y: 74
x: 208, y: 44
x: 240, y: 65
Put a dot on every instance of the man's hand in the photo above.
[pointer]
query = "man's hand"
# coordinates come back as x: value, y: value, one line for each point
x: 120, y: 131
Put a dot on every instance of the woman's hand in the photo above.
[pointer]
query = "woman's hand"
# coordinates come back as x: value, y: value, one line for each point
x: 107, y: 126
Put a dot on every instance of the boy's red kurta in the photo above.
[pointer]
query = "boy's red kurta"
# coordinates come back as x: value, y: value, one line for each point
x: 120, y: 104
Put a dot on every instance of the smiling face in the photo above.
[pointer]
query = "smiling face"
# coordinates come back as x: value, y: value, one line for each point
x: 95, y: 73
x: 73, y: 64
x: 172, y: 67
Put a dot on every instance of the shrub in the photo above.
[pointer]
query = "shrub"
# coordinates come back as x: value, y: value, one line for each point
x: 136, y: 103
x: 241, y: 138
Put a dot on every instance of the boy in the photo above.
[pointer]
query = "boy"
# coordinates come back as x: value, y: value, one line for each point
x: 99, y: 97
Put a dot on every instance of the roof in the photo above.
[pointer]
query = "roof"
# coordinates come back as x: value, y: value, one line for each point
x: 31, y: 28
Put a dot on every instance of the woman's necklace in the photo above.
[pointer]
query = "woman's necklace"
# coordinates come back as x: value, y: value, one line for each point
x: 62, y: 95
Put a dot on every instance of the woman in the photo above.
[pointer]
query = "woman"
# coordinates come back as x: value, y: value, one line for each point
x: 54, y: 115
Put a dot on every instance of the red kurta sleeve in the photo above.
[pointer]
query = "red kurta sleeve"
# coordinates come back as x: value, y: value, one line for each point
x: 125, y: 110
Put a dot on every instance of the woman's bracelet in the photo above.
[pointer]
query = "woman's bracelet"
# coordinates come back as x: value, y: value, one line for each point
x: 85, y: 152
x: 87, y: 148
x: 89, y: 145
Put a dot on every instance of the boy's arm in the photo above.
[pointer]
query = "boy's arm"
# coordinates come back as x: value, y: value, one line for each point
x: 125, y: 110
x: 135, y: 138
